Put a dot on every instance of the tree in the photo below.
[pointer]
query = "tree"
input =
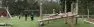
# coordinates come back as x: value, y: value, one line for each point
x: 19, y: 6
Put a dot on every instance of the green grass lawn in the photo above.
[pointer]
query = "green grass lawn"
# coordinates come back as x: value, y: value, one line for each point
x: 22, y: 23
x: 16, y: 22
x: 55, y: 23
x: 60, y: 23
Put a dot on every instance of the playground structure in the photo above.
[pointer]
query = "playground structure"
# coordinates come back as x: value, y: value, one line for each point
x: 4, y: 11
x: 70, y: 18
x: 4, y: 15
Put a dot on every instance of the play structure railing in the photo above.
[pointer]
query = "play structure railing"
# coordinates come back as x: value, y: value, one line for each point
x: 59, y: 16
x: 87, y: 18
x: 50, y: 18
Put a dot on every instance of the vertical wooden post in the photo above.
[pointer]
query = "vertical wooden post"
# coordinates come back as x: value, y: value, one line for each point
x: 60, y: 12
x: 76, y: 10
x: 76, y: 7
x: 87, y: 10
x: 40, y: 2
x: 40, y: 9
x: 65, y: 18
x: 65, y: 7
x: 72, y: 7
x: 88, y: 13
x: 53, y: 11
x: 71, y: 19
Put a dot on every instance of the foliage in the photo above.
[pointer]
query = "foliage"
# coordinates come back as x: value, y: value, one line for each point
x: 18, y: 7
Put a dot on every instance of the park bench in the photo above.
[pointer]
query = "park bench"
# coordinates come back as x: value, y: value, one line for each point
x: 5, y: 24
